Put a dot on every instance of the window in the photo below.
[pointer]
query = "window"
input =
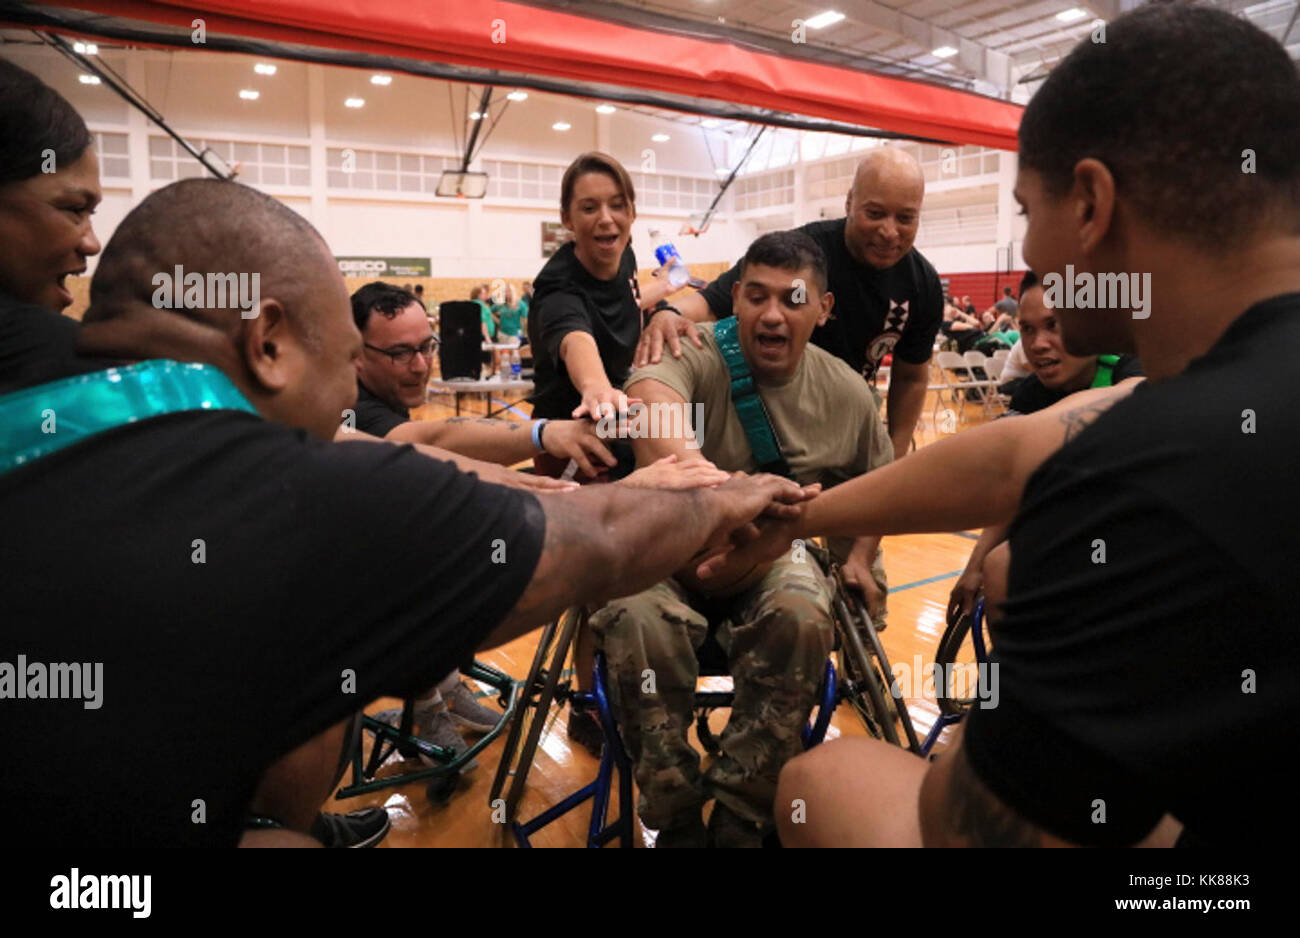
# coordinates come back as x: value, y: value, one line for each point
x: 114, y: 161
x: 268, y: 164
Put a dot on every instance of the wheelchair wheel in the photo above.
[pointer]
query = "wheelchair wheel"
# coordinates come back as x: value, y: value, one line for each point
x: 861, y: 683
x: 956, y: 651
x: 536, y: 697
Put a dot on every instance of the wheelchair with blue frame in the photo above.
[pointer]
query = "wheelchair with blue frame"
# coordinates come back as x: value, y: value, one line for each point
x: 963, y: 645
x: 442, y: 765
x: 857, y: 673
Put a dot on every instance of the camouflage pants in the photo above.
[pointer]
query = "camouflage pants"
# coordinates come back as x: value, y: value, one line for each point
x: 777, y: 635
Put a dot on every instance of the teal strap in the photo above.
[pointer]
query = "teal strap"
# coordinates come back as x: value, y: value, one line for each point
x: 40, y: 420
x: 1105, y: 375
x: 748, y: 403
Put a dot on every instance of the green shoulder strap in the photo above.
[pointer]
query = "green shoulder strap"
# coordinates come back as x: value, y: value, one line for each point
x: 1105, y: 375
x: 749, y: 406
x: 43, y: 419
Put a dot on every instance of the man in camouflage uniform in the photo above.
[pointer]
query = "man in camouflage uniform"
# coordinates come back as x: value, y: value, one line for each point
x: 773, y: 622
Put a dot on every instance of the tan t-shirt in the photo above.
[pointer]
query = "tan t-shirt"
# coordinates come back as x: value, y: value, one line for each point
x: 824, y: 417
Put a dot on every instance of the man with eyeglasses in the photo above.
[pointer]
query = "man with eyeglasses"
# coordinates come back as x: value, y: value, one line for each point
x: 392, y: 374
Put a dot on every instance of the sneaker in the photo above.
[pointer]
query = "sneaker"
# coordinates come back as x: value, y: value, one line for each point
x: 356, y: 829
x: 584, y: 729
x: 689, y: 835
x: 440, y: 731
x: 727, y: 829
x: 468, y: 713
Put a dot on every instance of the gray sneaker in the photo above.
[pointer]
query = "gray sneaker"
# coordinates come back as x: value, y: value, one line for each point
x: 436, y: 727
x: 467, y: 713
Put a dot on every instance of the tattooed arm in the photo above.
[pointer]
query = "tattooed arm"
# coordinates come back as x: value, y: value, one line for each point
x: 917, y: 495
x: 958, y: 810
x: 610, y: 540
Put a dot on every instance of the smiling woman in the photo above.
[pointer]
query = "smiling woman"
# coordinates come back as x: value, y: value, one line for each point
x: 49, y: 187
x: 586, y: 303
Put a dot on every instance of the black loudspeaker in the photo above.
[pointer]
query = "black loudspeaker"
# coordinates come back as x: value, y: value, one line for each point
x: 461, y: 341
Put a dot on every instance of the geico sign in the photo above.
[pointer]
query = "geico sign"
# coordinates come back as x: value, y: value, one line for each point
x: 362, y: 267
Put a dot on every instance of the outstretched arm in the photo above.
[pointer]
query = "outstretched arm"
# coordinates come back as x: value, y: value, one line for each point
x: 612, y: 540
x: 916, y: 495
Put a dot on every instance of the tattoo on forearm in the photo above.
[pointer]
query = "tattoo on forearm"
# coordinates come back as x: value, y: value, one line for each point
x: 1079, y: 419
x: 511, y: 425
x: 976, y: 814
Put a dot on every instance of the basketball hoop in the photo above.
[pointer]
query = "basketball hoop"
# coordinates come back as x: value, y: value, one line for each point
x: 695, y: 225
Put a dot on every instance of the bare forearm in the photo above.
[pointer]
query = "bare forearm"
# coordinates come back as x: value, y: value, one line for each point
x: 990, y: 538
x: 498, y: 441
x: 582, y: 361
x: 922, y: 492
x: 693, y: 306
x: 606, y: 541
x: 906, y: 399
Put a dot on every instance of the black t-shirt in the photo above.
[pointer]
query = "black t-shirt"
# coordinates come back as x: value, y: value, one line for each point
x: 1162, y: 679
x: 38, y: 346
x: 876, y: 312
x: 332, y: 574
x: 1032, y: 395
x: 375, y: 416
x: 567, y: 298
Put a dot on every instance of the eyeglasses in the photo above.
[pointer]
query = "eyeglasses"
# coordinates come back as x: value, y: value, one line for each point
x: 402, y: 354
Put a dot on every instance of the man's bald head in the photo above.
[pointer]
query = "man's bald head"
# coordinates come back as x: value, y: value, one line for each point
x: 883, y: 207
x: 291, y: 354
x: 210, y: 226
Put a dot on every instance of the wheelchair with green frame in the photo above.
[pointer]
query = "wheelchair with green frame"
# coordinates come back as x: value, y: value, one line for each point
x: 858, y: 673
x: 442, y: 765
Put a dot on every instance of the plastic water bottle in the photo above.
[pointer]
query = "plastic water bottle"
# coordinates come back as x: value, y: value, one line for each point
x: 514, y: 364
x: 667, y: 256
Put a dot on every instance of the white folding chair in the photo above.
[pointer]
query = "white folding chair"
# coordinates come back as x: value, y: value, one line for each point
x: 987, y: 385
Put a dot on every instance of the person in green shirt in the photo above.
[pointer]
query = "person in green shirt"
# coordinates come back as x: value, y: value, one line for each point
x: 488, y: 319
x: 512, y: 314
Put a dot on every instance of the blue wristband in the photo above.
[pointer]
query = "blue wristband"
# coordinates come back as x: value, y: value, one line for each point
x: 537, y: 434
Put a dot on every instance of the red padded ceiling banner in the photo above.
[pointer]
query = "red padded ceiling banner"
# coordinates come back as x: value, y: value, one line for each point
x: 517, y: 38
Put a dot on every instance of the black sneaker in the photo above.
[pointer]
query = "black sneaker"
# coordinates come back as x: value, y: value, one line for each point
x: 363, y: 828
x: 584, y: 729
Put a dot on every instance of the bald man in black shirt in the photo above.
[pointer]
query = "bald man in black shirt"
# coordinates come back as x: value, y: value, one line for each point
x: 224, y: 562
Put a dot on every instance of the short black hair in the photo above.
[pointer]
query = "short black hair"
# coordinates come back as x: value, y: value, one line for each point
x: 1027, y: 282
x: 36, y: 119
x: 1175, y: 101
x: 1006, y: 291
x: 382, y: 298
x: 787, y: 250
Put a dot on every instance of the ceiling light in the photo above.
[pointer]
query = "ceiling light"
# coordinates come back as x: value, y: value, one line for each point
x: 722, y: 171
x: 262, y: 68
x: 517, y: 96
x: 561, y: 125
x: 381, y: 79
x: 1072, y: 14
x: 709, y: 123
x: 943, y: 52
x: 85, y: 48
x: 88, y: 79
x: 354, y: 102
x: 605, y: 109
x: 476, y: 115
x: 829, y: 18
x: 660, y: 138
x: 249, y: 95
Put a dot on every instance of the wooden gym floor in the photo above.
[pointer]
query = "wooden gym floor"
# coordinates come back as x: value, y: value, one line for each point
x: 921, y: 569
